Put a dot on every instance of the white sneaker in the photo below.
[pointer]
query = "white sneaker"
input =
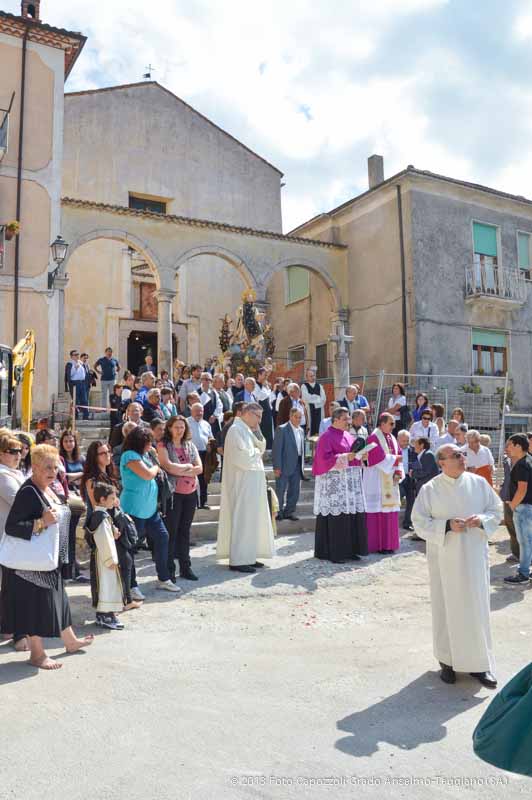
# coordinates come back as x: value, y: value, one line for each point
x: 136, y: 594
x: 169, y: 586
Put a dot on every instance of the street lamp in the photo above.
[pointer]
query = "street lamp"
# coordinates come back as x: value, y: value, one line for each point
x: 59, y: 250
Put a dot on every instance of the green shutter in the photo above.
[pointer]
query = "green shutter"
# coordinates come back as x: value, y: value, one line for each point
x: 298, y: 283
x: 489, y: 338
x: 523, y: 246
x: 485, y: 239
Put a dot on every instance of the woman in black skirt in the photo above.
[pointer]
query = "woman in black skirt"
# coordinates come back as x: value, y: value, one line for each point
x: 36, y: 602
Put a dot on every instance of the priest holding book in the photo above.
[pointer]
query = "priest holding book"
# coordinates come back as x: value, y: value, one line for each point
x: 338, y: 497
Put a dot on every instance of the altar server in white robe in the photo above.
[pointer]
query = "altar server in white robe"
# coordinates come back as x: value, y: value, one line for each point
x: 245, y: 530
x: 455, y: 513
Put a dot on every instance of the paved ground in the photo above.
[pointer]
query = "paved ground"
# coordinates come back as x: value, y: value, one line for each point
x: 306, y: 680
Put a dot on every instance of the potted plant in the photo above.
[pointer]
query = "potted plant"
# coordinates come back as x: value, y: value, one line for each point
x: 12, y: 229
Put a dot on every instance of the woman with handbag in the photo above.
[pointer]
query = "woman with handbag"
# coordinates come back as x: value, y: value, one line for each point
x: 139, y: 499
x: 35, y: 547
x: 11, y: 479
x: 181, y: 461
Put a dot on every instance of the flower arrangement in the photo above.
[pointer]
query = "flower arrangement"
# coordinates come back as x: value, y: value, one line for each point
x: 12, y: 229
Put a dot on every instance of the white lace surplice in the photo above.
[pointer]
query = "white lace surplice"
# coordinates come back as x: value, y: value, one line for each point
x: 339, y: 492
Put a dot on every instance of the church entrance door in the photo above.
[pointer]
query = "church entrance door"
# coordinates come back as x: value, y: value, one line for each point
x: 139, y: 345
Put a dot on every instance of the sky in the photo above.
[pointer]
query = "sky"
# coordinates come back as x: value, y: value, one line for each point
x: 315, y: 87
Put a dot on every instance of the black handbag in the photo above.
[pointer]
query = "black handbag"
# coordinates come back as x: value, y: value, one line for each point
x: 405, y: 417
x: 165, y: 495
x: 128, y: 531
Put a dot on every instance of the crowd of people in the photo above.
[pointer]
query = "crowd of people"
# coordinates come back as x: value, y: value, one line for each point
x: 168, y: 435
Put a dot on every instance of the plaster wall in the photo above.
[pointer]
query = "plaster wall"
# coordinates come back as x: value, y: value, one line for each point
x: 41, y: 190
x: 144, y: 140
x: 306, y: 322
x: 209, y: 288
x: 442, y: 248
x: 370, y: 228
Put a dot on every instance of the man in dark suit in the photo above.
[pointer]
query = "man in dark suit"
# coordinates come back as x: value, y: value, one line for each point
x: 426, y: 468
x: 292, y: 401
x: 407, y: 486
x: 247, y: 394
x: 287, y: 457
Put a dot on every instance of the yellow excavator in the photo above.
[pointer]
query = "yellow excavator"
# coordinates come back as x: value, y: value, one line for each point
x: 23, y: 369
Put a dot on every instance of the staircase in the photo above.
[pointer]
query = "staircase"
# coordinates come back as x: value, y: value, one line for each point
x: 205, y: 525
x: 91, y: 430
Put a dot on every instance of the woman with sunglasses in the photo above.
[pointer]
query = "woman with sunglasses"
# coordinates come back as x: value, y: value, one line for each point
x: 426, y: 428
x: 73, y: 463
x: 99, y: 469
x: 11, y: 479
x: 25, y: 459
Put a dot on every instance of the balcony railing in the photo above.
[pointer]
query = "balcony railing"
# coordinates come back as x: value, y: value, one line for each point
x: 499, y: 284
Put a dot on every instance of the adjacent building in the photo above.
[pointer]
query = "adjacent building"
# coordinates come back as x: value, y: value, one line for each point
x: 142, y: 148
x: 439, y: 276
x: 35, y: 60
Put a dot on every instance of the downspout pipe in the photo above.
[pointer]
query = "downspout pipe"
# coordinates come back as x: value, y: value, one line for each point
x: 19, y: 180
x: 403, y: 278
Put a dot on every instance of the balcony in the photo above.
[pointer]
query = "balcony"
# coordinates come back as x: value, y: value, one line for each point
x: 496, y: 286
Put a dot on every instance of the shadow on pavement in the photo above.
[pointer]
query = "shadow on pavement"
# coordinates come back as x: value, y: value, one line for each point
x: 16, y: 671
x: 413, y: 716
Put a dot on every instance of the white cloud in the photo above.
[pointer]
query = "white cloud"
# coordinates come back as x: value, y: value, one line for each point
x: 522, y: 27
x: 312, y: 87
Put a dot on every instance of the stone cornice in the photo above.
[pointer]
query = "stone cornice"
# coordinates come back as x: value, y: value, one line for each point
x: 173, y: 219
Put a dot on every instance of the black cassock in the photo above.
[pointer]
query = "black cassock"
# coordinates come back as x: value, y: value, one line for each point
x: 266, y: 425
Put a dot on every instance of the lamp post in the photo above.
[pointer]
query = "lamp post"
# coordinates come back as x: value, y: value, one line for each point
x: 59, y: 250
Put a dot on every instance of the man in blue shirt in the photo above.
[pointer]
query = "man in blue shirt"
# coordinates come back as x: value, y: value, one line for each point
x: 107, y: 368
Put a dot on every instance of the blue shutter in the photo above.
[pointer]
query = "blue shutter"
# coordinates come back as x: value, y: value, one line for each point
x: 523, y: 247
x: 485, y: 239
x: 489, y: 338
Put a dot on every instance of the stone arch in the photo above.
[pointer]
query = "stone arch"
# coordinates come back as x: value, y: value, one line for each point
x: 118, y: 236
x: 313, y: 267
x: 227, y: 255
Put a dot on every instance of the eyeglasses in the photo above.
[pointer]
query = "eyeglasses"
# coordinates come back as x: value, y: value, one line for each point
x: 13, y: 451
x: 453, y: 455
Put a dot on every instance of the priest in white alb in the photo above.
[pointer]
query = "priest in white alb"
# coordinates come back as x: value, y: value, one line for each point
x: 455, y: 513
x: 245, y: 531
x: 382, y: 477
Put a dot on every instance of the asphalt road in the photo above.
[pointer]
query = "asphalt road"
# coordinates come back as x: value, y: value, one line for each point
x: 306, y: 680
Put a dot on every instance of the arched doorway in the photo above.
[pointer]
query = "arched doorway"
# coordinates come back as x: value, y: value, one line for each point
x: 210, y: 281
x: 111, y: 293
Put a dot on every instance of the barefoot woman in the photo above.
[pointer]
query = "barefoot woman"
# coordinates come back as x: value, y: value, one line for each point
x: 36, y: 602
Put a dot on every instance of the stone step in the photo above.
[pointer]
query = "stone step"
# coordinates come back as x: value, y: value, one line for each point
x: 208, y: 531
x: 304, y: 506
x: 306, y: 493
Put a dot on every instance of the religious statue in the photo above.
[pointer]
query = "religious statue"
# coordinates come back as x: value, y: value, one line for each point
x: 251, y: 345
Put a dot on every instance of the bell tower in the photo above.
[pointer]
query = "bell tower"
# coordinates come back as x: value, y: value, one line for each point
x: 31, y: 10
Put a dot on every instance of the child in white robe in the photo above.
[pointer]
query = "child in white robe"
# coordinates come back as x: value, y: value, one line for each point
x: 106, y: 584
